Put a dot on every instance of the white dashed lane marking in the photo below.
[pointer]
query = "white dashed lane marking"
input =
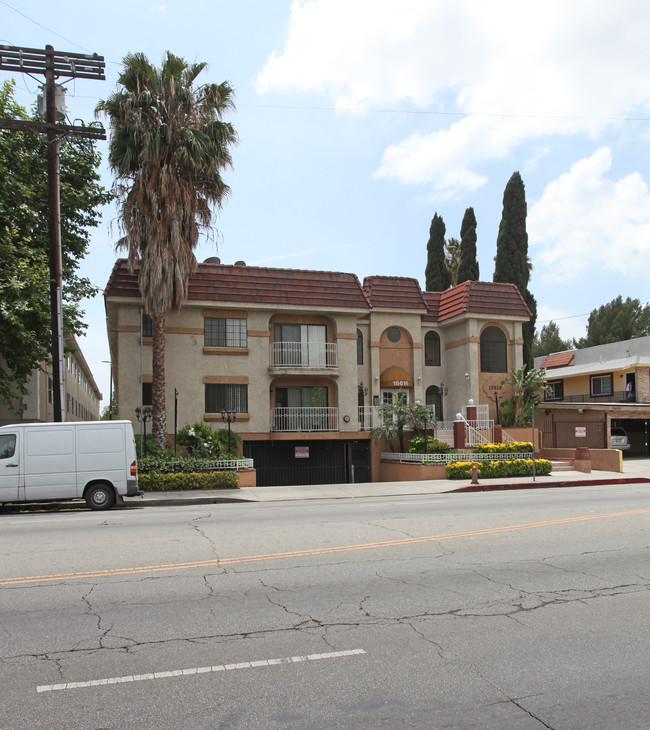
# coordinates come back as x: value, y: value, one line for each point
x: 198, y: 670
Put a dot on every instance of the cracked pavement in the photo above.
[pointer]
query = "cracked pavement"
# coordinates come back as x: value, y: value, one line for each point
x: 527, y: 629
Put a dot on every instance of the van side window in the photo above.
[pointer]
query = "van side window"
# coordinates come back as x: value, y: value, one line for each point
x: 7, y: 445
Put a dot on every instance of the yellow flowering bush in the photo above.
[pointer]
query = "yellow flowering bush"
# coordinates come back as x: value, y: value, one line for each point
x: 512, y: 447
x: 501, y: 468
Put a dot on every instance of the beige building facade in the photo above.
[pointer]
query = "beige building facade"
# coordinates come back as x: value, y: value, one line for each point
x: 82, y: 396
x: 303, y: 359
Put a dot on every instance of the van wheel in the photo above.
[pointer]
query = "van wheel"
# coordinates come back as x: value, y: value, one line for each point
x: 100, y: 496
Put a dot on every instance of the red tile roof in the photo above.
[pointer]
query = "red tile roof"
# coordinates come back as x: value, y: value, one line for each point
x: 557, y: 360
x: 396, y: 292
x: 482, y: 297
x: 298, y: 287
x: 253, y: 284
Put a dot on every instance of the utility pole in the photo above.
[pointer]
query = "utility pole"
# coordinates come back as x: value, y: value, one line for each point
x: 53, y: 65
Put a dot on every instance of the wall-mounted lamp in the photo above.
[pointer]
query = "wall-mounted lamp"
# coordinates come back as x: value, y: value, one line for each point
x: 363, y: 388
x: 376, y: 378
x: 581, y: 410
x: 419, y: 379
x: 466, y: 376
x: 443, y: 389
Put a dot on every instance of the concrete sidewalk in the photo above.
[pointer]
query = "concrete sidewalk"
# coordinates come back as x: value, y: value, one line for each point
x: 635, y: 471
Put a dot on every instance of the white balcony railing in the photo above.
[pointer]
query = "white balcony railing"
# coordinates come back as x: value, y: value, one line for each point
x: 308, y: 419
x: 304, y: 355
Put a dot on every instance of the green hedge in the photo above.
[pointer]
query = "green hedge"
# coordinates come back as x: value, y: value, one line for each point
x: 177, y: 465
x: 514, y: 447
x: 416, y: 445
x: 191, y: 480
x: 501, y: 468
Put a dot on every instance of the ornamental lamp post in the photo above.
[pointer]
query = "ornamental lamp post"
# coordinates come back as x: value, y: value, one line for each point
x: 143, y: 415
x: 228, y: 417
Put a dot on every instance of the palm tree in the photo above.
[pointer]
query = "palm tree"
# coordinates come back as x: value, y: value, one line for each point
x: 168, y: 148
x: 528, y: 386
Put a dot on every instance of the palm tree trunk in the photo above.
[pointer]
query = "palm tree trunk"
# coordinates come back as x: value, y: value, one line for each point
x: 159, y: 411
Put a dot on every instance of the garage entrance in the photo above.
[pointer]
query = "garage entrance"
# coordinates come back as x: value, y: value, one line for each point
x: 309, y: 462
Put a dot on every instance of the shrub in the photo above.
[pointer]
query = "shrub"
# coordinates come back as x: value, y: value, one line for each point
x: 200, y: 440
x: 513, y: 447
x: 175, y: 465
x: 189, y: 480
x: 416, y: 446
x: 501, y: 468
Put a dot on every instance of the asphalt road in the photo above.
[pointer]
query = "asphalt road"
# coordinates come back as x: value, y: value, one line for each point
x: 513, y: 609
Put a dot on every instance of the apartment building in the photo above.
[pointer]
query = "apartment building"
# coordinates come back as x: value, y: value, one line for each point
x: 82, y: 396
x: 302, y: 359
x: 595, y: 389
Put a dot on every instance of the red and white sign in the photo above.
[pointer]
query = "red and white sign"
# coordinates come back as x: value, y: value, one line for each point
x: 302, y: 452
x: 581, y: 431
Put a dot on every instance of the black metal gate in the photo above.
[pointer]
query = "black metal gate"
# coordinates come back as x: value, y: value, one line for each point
x: 359, y: 459
x: 289, y: 464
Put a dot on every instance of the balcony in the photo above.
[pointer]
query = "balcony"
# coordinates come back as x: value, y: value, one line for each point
x: 619, y: 396
x: 302, y: 355
x: 309, y: 419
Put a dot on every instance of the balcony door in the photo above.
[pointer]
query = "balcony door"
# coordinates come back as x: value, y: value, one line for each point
x: 301, y: 345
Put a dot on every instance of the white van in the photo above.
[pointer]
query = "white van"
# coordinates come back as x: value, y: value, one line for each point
x: 91, y: 460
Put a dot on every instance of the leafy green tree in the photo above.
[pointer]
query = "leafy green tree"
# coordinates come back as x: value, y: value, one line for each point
x: 468, y: 268
x: 528, y: 386
x: 110, y: 411
x: 25, y: 324
x: 616, y: 321
x: 437, y: 274
x: 549, y: 340
x: 512, y: 263
x: 168, y: 148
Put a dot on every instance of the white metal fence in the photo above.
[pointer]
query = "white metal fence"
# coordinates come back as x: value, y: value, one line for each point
x: 311, y: 418
x: 446, y: 458
x: 304, y: 354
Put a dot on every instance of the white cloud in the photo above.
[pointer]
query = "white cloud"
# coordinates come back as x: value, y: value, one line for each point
x: 540, y: 67
x: 570, y: 325
x: 586, y: 220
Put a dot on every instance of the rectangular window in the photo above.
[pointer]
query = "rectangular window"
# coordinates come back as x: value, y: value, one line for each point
x: 225, y: 397
x: 301, y: 397
x: 300, y: 345
x: 7, y: 445
x: 556, y: 390
x: 223, y: 332
x: 50, y: 391
x: 146, y: 326
x: 601, y: 385
x: 147, y: 394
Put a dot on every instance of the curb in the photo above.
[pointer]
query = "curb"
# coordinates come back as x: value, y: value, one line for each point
x: 539, y: 485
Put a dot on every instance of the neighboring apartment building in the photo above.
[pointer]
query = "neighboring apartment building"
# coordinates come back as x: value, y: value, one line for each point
x: 82, y: 396
x: 304, y: 358
x: 594, y: 389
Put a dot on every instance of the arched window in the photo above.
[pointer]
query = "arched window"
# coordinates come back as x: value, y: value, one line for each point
x: 494, y: 351
x: 434, y: 398
x: 432, y: 348
x: 359, y: 347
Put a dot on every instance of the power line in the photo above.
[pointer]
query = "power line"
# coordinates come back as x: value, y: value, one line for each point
x: 49, y: 30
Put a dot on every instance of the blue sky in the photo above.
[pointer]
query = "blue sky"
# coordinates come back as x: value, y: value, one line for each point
x: 360, y: 119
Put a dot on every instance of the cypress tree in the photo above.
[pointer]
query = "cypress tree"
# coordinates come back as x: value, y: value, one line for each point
x: 468, y: 267
x: 437, y: 274
x: 511, y: 262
